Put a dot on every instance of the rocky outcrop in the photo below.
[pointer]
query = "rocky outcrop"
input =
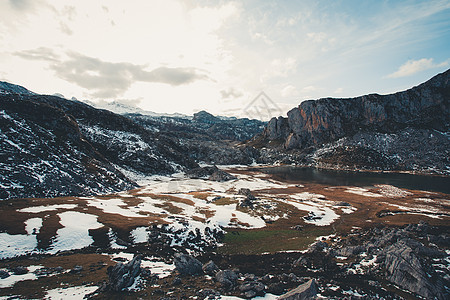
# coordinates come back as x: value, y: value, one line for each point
x: 382, y: 131
x: 227, y: 278
x: 187, y: 265
x: 122, y: 276
x: 210, y: 268
x: 401, y: 257
x: 307, y: 290
x: 211, y: 173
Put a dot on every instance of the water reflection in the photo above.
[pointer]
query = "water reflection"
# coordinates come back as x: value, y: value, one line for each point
x: 332, y: 177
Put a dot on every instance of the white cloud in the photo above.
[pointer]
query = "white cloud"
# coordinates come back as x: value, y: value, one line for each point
x: 289, y: 91
x: 412, y: 67
x: 339, y: 91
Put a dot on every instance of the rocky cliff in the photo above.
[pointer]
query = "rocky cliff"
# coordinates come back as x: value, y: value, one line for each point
x: 388, y: 128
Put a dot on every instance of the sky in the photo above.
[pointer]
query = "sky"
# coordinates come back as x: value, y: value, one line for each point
x: 248, y: 58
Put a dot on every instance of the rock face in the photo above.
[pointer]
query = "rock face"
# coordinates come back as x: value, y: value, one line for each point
x: 122, y: 276
x: 377, y: 128
x: 188, y: 265
x: 304, y: 291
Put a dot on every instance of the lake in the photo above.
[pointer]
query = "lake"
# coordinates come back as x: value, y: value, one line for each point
x: 347, y: 178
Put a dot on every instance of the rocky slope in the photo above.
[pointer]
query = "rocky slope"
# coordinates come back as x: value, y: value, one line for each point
x: 206, y: 138
x: 404, y: 131
x: 43, y: 154
x: 52, y: 146
x: 55, y: 147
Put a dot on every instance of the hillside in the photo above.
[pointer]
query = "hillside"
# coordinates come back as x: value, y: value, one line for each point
x: 52, y: 146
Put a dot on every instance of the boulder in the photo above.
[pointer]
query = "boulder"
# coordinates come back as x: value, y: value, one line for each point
x: 201, y: 172
x: 220, y: 176
x: 250, y: 289
x: 304, y: 291
x: 122, y: 275
x: 19, y: 270
x: 4, y: 274
x: 247, y: 193
x: 227, y: 278
x: 403, y: 268
x: 318, y: 246
x: 187, y: 264
x: 210, y: 268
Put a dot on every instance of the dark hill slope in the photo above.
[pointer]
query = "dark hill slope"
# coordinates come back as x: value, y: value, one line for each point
x: 51, y: 146
x: 43, y: 154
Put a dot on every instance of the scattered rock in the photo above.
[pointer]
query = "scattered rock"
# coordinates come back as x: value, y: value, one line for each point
x: 122, y: 275
x: 227, y: 278
x: 210, y: 268
x: 251, y: 289
x: 201, y: 172
x: 4, y: 274
x: 187, y: 265
x: 176, y: 281
x: 297, y: 227
x: 305, y: 291
x: 221, y: 175
x: 76, y: 269
x: 317, y: 246
x: 19, y: 270
x: 247, y: 193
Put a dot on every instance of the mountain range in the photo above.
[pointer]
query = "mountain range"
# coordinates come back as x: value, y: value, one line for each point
x: 51, y: 146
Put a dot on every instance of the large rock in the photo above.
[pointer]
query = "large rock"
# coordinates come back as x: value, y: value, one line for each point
x: 227, y: 278
x: 210, y: 268
x: 187, y: 265
x: 404, y: 268
x: 122, y: 275
x: 221, y: 175
x: 304, y: 291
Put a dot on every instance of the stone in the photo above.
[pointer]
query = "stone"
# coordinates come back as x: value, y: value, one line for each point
x: 4, y: 274
x: 403, y: 268
x: 187, y: 264
x: 317, y: 246
x: 19, y: 270
x: 304, y: 291
x: 76, y: 269
x: 221, y: 176
x: 247, y: 193
x: 122, y: 276
x: 210, y: 268
x: 227, y: 278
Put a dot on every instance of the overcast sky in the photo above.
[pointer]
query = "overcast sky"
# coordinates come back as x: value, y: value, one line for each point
x: 185, y: 56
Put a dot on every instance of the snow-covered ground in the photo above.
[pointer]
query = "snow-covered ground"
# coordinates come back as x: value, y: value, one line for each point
x: 188, y: 207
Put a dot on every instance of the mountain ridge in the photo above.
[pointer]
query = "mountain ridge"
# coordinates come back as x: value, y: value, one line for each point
x: 353, y: 130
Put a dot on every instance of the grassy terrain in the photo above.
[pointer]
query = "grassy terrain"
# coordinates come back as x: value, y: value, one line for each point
x: 259, y: 241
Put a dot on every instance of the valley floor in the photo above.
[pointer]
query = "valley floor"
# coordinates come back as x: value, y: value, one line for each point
x: 279, y: 233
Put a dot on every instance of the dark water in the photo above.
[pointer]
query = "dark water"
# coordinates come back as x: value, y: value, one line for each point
x: 331, y: 177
